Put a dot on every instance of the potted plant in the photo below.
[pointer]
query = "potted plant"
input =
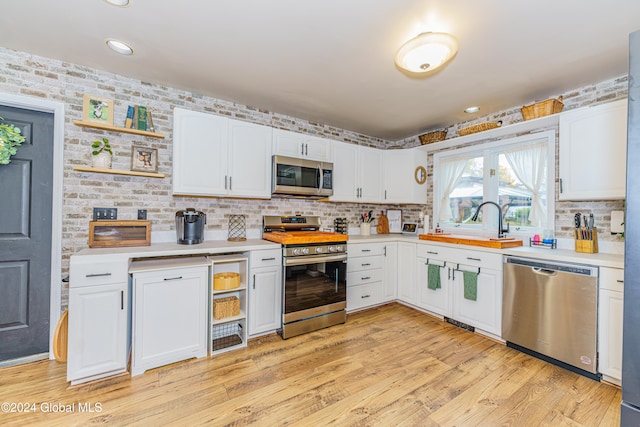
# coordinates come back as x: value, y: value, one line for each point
x: 10, y: 138
x: 101, y: 153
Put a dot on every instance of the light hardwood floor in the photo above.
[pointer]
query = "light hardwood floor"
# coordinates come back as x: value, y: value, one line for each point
x: 388, y: 366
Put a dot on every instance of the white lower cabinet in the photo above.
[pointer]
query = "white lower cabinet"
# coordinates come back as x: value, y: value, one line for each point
x: 390, y: 270
x: 169, y: 311
x: 407, y: 290
x: 485, y: 312
x: 610, y: 312
x: 98, y: 320
x: 265, y: 291
x: 365, y: 262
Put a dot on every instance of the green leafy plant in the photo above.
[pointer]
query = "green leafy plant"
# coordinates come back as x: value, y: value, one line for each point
x: 10, y: 138
x: 101, y: 145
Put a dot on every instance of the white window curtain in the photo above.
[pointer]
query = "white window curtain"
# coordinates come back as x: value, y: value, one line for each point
x: 530, y: 166
x: 450, y: 172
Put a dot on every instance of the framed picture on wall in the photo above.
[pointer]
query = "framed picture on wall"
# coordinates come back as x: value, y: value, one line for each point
x: 144, y: 159
x: 97, y: 110
x: 395, y: 220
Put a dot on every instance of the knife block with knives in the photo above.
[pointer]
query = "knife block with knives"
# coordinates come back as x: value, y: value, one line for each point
x: 585, y: 236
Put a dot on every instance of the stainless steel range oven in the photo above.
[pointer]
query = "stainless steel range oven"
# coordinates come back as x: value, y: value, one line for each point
x: 314, y: 274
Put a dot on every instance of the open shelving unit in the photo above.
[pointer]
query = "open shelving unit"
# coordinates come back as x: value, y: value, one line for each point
x: 230, y: 332
x: 117, y: 172
x: 117, y: 129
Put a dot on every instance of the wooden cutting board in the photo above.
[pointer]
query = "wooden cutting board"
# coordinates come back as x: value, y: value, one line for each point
x: 383, y: 224
x: 60, y: 338
x: 302, y: 237
x: 473, y: 240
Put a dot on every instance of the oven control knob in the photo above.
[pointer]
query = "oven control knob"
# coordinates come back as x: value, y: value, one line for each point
x: 319, y: 249
x: 332, y: 248
x: 296, y: 251
x: 305, y: 251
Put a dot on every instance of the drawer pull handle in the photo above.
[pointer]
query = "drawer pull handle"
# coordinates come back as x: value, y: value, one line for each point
x: 366, y: 250
x: 365, y: 296
x: 121, y: 300
x: 620, y: 281
x: 365, y: 278
x: 172, y: 278
x: 98, y: 275
x: 473, y: 259
x: 432, y: 252
x: 366, y: 264
x: 269, y: 259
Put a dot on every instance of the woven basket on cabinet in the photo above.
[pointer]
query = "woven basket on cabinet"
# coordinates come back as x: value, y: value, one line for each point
x: 542, y: 108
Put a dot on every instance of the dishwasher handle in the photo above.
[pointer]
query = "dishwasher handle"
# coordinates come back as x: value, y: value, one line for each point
x: 548, y: 266
x: 544, y: 271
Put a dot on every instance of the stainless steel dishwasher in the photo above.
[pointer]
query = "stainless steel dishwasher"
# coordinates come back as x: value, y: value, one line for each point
x: 550, y: 310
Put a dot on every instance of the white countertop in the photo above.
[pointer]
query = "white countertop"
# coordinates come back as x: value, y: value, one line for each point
x: 174, y: 249
x: 559, y: 255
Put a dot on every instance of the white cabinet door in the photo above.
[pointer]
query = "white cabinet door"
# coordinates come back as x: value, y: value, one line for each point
x: 400, y: 185
x: 249, y: 160
x: 97, y: 332
x: 370, y: 174
x: 485, y: 312
x: 592, y: 158
x: 610, y: 318
x: 199, y: 153
x: 302, y: 146
x: 390, y: 271
x: 345, y: 172
x: 265, y: 300
x: 435, y: 300
x: 169, y: 316
x: 406, y: 272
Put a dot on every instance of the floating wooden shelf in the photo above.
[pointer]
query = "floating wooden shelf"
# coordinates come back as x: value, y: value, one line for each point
x: 117, y: 172
x: 117, y: 129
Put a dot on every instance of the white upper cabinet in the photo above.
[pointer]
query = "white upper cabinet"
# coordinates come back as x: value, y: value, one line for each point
x: 218, y: 156
x: 593, y: 148
x: 402, y: 174
x: 357, y: 172
x: 293, y: 144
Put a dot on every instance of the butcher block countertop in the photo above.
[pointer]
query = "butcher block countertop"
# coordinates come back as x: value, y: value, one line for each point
x: 304, y: 237
x: 485, y: 242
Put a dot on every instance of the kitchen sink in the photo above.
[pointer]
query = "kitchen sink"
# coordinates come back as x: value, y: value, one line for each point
x: 460, y: 239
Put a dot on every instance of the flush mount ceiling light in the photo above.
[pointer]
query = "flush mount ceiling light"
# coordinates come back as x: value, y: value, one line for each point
x: 426, y: 52
x: 120, y: 47
x: 120, y: 3
x: 472, y: 110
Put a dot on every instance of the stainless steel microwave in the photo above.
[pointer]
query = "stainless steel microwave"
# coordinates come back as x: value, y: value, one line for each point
x: 302, y: 177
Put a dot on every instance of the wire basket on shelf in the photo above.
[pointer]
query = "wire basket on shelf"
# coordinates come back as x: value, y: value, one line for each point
x: 237, y: 228
x: 226, y: 335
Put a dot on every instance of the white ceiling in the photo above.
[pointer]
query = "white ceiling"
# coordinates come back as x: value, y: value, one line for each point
x: 331, y: 61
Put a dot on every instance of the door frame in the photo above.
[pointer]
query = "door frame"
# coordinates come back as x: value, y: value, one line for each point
x: 57, y: 108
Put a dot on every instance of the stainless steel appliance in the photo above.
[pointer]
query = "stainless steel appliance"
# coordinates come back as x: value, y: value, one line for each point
x: 630, y: 409
x: 550, y: 310
x: 190, y: 226
x: 314, y: 273
x: 302, y: 177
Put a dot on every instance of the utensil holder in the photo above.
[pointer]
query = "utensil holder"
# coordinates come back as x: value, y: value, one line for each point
x: 365, y: 229
x: 586, y: 241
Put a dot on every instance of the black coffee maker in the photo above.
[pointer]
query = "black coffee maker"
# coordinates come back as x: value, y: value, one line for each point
x: 190, y: 226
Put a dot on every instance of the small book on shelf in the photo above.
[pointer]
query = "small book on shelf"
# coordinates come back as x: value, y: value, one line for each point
x: 142, y: 118
x: 128, y: 122
x: 150, y: 126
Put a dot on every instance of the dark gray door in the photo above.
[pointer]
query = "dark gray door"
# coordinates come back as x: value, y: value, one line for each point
x: 25, y: 237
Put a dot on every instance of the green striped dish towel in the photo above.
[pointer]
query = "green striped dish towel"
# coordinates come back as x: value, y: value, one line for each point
x: 433, y: 277
x: 470, y: 285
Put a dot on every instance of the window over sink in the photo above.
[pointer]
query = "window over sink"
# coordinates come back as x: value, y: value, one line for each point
x: 517, y: 173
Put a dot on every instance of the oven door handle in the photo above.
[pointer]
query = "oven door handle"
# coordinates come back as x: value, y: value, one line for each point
x: 314, y: 259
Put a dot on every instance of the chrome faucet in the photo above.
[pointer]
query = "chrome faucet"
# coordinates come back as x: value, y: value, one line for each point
x: 501, y: 230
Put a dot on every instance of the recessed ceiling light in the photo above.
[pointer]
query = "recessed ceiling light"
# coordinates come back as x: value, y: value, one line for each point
x: 472, y: 110
x: 120, y: 3
x: 120, y: 47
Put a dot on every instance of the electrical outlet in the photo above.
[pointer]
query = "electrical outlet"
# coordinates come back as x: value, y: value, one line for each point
x: 142, y: 214
x: 105, y: 213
